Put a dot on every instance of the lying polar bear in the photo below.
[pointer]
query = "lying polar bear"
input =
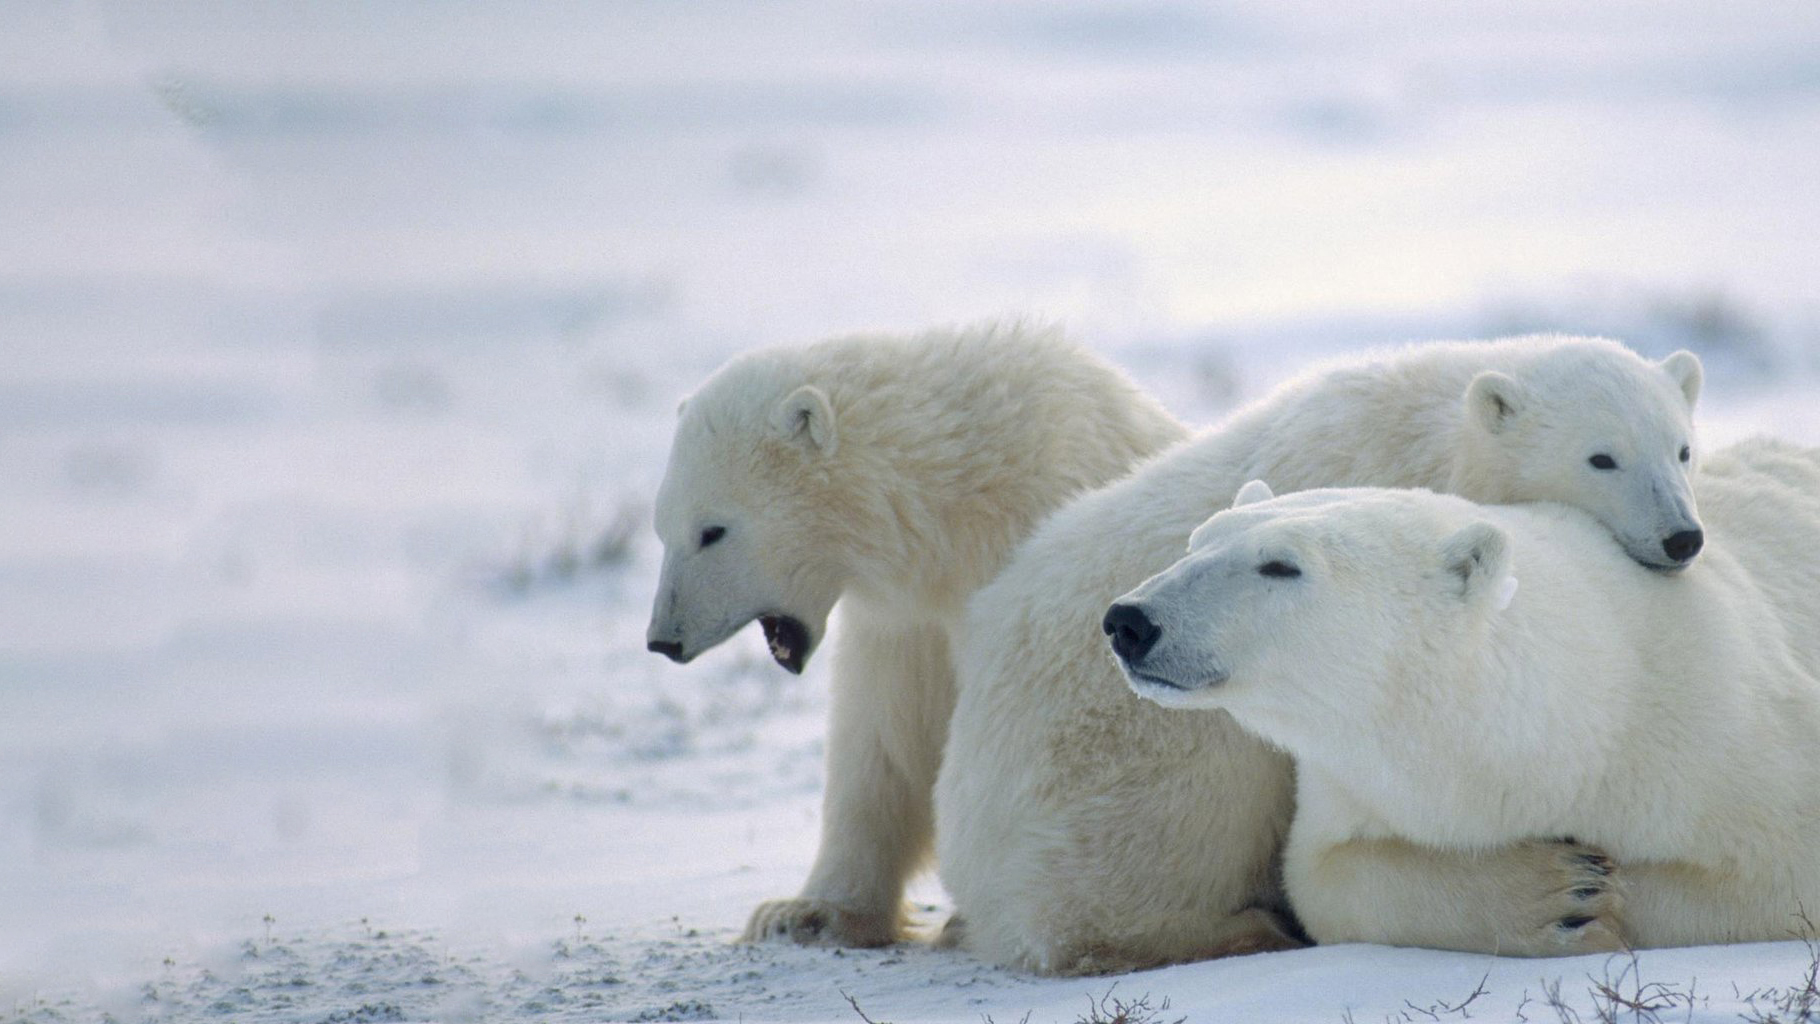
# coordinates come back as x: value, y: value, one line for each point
x: 1081, y: 830
x: 1464, y: 677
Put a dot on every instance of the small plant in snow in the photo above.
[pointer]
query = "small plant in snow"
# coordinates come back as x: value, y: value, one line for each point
x: 1798, y: 1003
x: 862, y: 1014
x: 1625, y: 996
x: 1109, y: 1009
x: 1440, y: 1010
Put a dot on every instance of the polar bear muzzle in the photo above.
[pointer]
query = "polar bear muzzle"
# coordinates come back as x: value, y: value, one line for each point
x: 669, y: 649
x: 1681, y: 547
x: 1132, y: 632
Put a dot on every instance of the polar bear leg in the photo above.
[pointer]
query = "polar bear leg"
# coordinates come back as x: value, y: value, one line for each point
x: 1679, y: 904
x: 1252, y: 930
x: 953, y: 934
x: 1530, y: 898
x: 893, y: 691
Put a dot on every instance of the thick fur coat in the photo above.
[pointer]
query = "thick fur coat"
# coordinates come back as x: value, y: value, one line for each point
x: 1465, y: 677
x: 893, y: 476
x: 1081, y: 829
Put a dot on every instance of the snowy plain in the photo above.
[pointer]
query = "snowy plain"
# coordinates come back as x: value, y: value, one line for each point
x: 339, y: 346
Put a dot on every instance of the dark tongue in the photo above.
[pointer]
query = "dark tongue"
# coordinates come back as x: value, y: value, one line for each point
x: 788, y: 639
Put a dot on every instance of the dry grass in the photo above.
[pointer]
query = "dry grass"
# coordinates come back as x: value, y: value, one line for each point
x: 586, y: 541
x: 1440, y: 1009
x: 1109, y: 1009
x: 1620, y: 995
x: 1793, y: 1004
x: 862, y: 1014
x: 1105, y: 1009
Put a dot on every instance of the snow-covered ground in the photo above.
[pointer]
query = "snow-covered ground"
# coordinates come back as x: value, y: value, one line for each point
x: 339, y: 345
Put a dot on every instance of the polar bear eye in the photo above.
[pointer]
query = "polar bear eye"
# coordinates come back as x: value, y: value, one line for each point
x: 712, y: 534
x: 1685, y: 453
x: 1603, y: 461
x: 1279, y: 570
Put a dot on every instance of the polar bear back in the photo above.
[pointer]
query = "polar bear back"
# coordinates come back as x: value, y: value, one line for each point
x: 1767, y: 494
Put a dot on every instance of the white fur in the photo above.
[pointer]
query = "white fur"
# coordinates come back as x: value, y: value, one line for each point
x: 1673, y: 722
x: 1256, y: 490
x: 893, y: 475
x: 1081, y: 829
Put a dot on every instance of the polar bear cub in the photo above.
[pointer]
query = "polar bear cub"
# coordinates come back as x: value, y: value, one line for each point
x: 1466, y: 677
x: 892, y: 475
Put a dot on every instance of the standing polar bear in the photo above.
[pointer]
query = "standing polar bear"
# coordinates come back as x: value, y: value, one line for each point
x: 1080, y: 829
x: 1464, y: 677
x: 893, y: 475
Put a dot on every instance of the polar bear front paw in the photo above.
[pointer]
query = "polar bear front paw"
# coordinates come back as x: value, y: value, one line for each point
x: 953, y: 934
x: 1578, y: 904
x: 812, y: 922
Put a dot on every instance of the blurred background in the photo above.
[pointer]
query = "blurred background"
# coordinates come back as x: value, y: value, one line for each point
x: 340, y: 343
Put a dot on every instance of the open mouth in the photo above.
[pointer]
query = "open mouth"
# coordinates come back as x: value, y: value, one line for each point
x: 788, y: 639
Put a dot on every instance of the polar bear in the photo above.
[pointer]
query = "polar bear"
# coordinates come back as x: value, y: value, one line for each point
x: 1080, y: 829
x: 1463, y: 677
x: 893, y: 475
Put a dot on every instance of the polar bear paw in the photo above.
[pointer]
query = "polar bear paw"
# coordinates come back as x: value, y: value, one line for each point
x: 1578, y: 904
x: 812, y: 922
x: 953, y: 934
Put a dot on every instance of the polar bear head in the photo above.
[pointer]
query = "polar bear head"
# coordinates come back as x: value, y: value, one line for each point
x: 1339, y: 587
x: 749, y: 525
x: 1591, y: 424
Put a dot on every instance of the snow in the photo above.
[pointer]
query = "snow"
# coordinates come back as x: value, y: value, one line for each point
x: 339, y: 347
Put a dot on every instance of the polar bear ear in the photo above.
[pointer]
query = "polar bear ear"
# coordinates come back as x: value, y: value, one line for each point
x: 1253, y: 492
x: 1493, y: 399
x: 806, y: 417
x: 1478, y: 557
x: 1684, y: 369
x: 1507, y: 592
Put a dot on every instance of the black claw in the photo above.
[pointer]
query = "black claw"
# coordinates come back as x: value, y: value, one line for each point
x: 1575, y: 923
x: 1569, y: 840
x: 1598, y: 863
x: 1586, y: 892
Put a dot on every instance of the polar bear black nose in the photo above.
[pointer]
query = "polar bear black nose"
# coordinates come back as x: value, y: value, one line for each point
x: 1684, y: 545
x: 1132, y: 632
x: 670, y: 650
